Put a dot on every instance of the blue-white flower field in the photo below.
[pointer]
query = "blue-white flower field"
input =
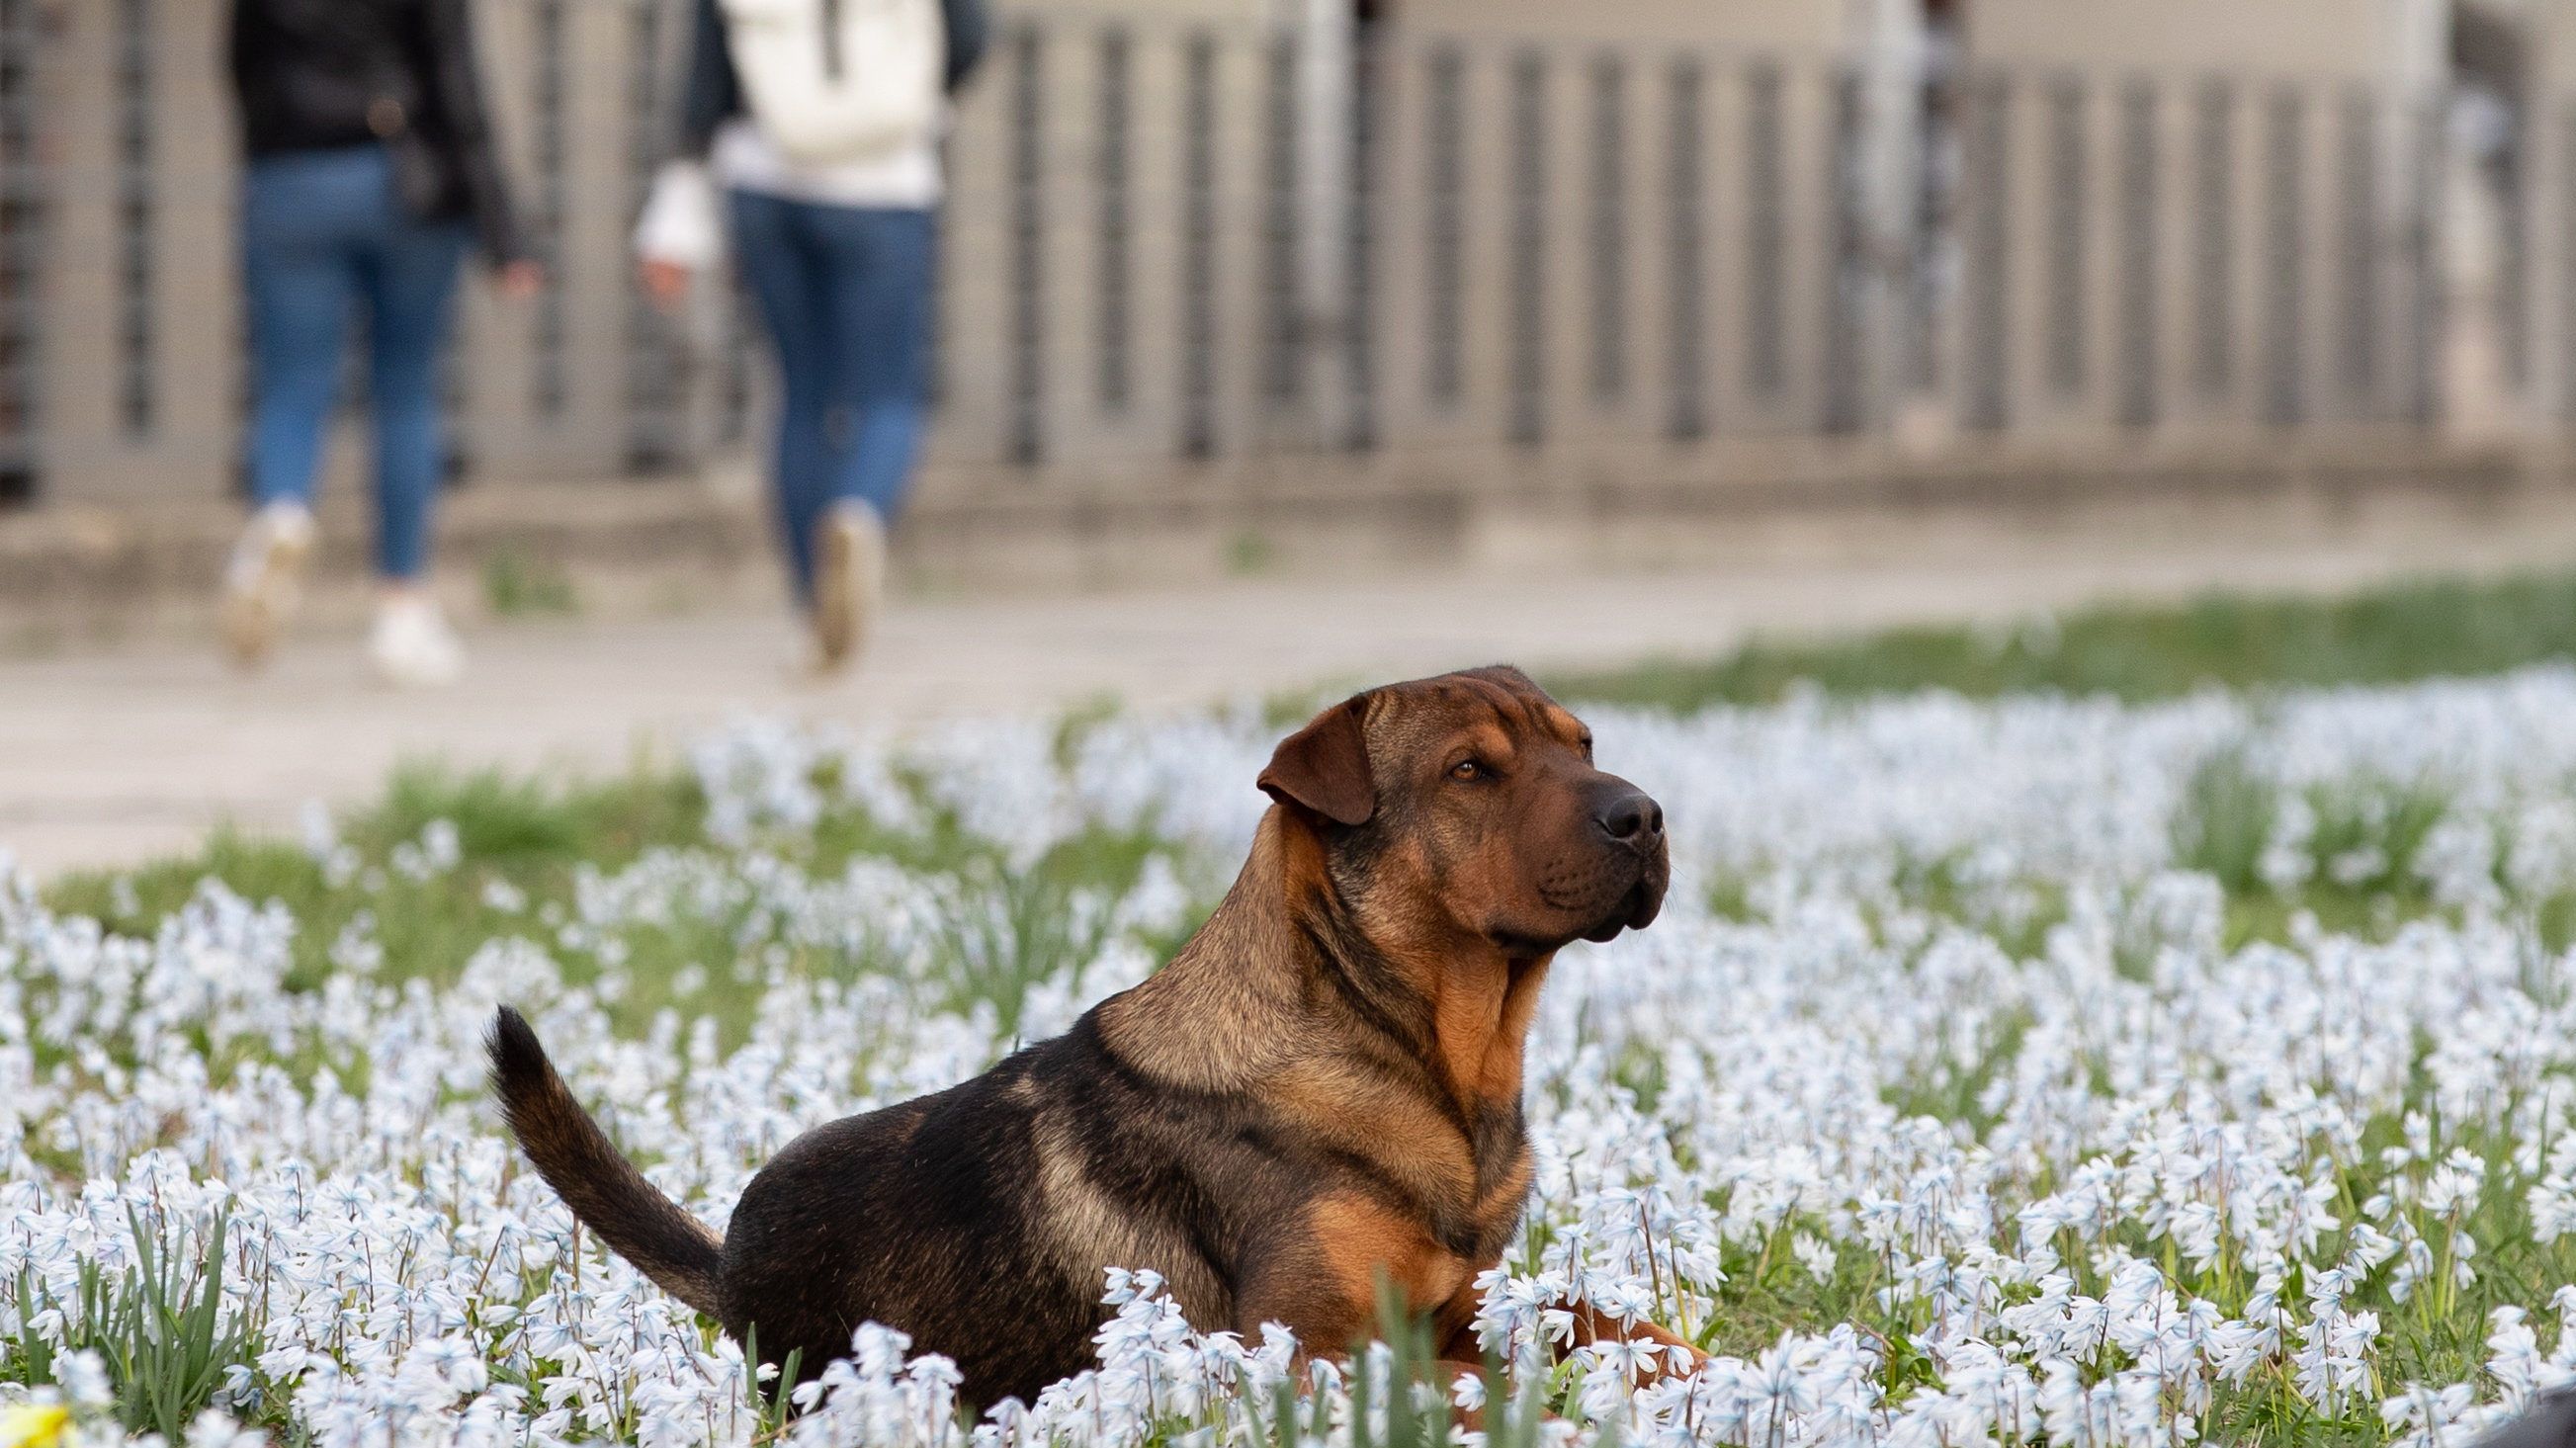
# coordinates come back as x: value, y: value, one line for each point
x: 1999, y: 1072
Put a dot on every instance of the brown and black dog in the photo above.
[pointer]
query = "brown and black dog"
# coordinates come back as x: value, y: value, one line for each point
x: 1322, y: 1087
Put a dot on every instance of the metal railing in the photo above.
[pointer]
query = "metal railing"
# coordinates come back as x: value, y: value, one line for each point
x: 1155, y: 251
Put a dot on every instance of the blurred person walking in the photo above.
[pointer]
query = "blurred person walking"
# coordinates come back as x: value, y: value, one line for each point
x: 820, y: 121
x: 370, y: 171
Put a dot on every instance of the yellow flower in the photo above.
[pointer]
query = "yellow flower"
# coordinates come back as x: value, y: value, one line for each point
x: 37, y: 1425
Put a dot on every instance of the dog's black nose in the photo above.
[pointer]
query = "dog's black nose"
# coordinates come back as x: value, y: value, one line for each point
x: 1633, y: 818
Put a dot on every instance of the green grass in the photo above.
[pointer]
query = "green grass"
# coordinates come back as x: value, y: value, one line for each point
x: 519, y: 585
x: 529, y: 836
x: 1249, y: 555
x: 2429, y: 629
x: 522, y: 845
x: 158, y: 1327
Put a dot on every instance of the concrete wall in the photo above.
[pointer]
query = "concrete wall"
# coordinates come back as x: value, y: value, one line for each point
x: 2345, y: 39
x: 1795, y: 25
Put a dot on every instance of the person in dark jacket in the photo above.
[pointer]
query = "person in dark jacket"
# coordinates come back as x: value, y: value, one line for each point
x: 837, y: 251
x: 370, y: 170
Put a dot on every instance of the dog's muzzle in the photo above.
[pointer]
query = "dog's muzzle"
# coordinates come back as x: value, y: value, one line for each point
x: 1632, y: 823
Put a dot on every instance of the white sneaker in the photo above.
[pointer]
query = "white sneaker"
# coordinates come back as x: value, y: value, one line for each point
x: 263, y: 579
x: 849, y: 581
x: 412, y: 646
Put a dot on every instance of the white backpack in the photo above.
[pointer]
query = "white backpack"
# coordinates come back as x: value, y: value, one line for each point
x: 838, y: 81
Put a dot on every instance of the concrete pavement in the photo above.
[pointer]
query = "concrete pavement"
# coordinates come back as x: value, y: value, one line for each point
x: 111, y: 757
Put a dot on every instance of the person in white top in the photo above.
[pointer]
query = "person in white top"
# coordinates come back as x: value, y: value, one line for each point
x: 820, y: 123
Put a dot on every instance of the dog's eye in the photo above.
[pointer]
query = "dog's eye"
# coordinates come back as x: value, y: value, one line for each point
x: 1466, y: 769
x: 1587, y: 744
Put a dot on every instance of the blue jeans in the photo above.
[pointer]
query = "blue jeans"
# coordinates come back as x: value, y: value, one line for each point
x: 323, y: 233
x: 846, y: 294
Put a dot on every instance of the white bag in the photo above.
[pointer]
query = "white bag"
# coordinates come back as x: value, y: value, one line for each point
x: 833, y: 82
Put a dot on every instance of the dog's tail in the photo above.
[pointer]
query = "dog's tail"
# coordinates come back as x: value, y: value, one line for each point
x: 604, y: 1190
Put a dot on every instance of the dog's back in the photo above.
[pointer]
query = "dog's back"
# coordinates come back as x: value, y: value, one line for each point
x: 920, y: 1214
x: 981, y: 1218
x: 978, y: 1219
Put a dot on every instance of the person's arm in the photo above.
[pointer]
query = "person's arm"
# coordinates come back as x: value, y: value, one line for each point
x: 970, y: 35
x: 237, y: 48
x: 711, y: 92
x: 679, y: 232
x: 456, y: 79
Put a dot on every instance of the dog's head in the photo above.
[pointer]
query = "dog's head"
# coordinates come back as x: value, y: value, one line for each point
x: 1469, y: 804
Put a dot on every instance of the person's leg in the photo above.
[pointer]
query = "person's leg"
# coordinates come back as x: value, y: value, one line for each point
x: 300, y: 229
x: 775, y: 253
x: 877, y: 298
x: 299, y: 273
x: 411, y: 289
x: 882, y: 311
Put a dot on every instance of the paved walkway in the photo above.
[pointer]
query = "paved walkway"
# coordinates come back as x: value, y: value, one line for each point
x: 111, y: 757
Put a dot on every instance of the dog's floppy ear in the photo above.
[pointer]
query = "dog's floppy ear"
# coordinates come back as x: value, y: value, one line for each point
x: 1324, y: 767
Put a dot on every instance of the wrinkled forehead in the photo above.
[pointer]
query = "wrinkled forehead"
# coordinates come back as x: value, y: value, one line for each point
x: 1501, y: 704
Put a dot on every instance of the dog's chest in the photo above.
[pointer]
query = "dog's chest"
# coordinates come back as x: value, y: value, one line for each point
x: 1501, y: 1187
x: 1465, y: 1173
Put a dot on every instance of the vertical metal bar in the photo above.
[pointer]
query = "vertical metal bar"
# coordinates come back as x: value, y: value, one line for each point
x: 1445, y: 229
x: 245, y: 380
x: 1608, y: 274
x: 2513, y: 259
x: 546, y: 379
x: 2140, y: 281
x: 1284, y: 359
x: 1986, y: 401
x: 1026, y: 444
x: 2424, y: 260
x: 22, y: 201
x: 2213, y: 313
x: 1848, y: 278
x: 2285, y: 260
x: 1529, y: 249
x: 459, y: 438
x: 1686, y: 246
x: 136, y: 214
x: 733, y: 410
x: 1766, y: 242
x: 1359, y: 241
x: 2566, y: 208
x: 2358, y: 250
x: 1115, y: 379
x: 651, y: 393
x: 2068, y: 194
x: 1198, y: 248
x: 1931, y: 242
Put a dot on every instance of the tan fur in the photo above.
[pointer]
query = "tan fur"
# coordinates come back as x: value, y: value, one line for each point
x: 1213, y: 1019
x: 1363, y: 1241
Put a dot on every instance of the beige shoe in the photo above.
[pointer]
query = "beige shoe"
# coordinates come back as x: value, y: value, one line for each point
x: 263, y: 580
x: 849, y: 582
